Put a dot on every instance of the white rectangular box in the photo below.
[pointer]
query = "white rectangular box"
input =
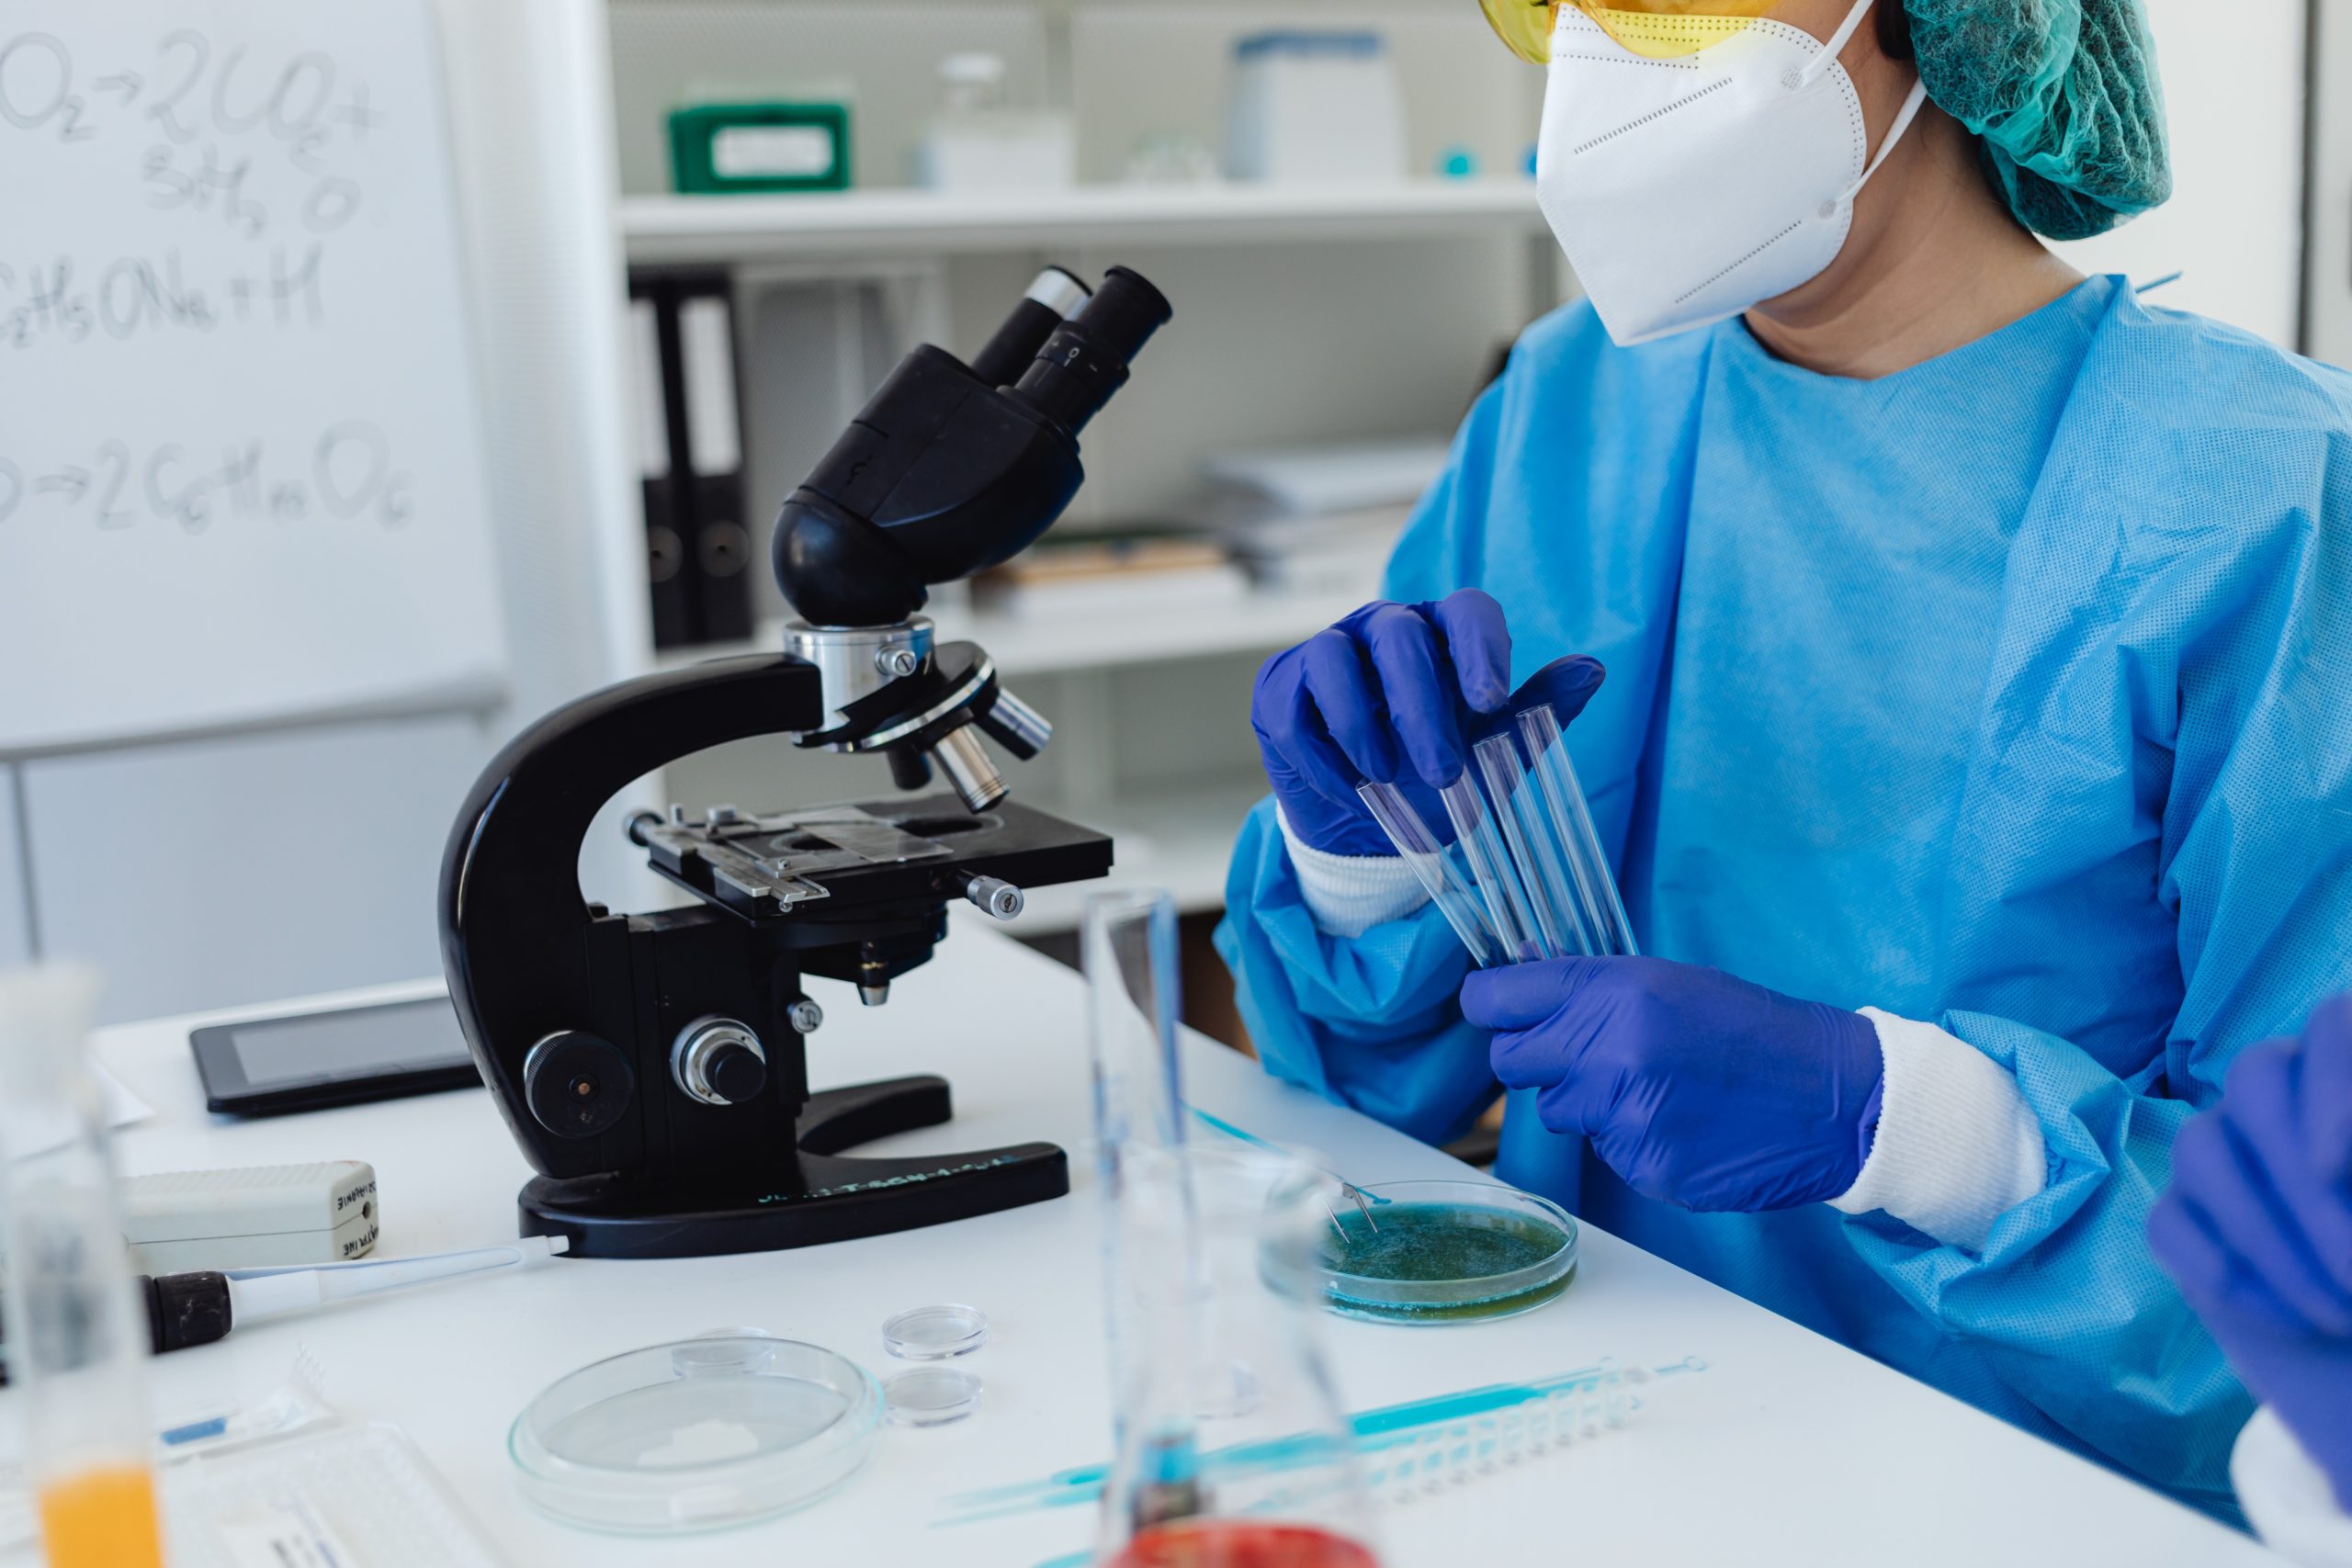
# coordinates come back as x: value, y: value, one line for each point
x: 254, y: 1217
x: 1320, y: 108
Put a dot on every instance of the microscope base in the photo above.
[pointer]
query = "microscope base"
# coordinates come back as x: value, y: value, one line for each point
x: 834, y: 1198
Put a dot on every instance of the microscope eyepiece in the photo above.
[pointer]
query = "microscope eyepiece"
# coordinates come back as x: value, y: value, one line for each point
x: 1126, y: 312
x: 1053, y: 299
x: 1084, y: 364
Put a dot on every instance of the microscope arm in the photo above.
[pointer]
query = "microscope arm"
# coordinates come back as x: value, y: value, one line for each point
x: 517, y: 936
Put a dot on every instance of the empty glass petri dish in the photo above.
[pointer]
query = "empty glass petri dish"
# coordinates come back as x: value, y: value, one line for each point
x: 1446, y: 1252
x: 697, y: 1435
x: 930, y: 1396
x: 935, y: 1332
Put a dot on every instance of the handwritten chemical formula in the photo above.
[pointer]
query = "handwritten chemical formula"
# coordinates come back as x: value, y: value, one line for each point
x: 250, y: 145
x: 239, y: 401
x: 347, y: 474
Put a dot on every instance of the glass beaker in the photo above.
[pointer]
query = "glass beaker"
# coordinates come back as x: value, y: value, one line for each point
x: 1129, y: 949
x: 1215, y: 1259
x: 77, y: 1341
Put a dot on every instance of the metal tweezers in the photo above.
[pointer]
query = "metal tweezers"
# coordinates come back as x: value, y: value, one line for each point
x: 1349, y: 1189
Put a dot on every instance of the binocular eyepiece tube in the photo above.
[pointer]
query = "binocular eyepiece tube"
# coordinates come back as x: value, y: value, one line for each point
x: 1064, y: 351
x: 955, y: 466
x: 1054, y: 298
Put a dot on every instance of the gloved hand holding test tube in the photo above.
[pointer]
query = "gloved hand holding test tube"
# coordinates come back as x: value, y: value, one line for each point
x: 1525, y: 876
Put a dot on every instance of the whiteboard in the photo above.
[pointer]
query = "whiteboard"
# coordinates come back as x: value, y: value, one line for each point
x: 241, y: 475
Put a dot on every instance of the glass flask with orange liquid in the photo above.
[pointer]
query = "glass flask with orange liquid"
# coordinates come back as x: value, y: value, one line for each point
x: 77, y: 1342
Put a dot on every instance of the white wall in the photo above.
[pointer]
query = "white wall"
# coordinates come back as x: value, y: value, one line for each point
x: 2234, y: 86
x: 531, y: 128
x: 2330, y: 282
x: 15, y: 934
x: 529, y: 89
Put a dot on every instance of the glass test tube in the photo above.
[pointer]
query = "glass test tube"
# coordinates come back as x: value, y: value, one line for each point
x: 1490, y: 862
x: 77, y: 1340
x: 1439, y: 868
x: 1535, y: 849
x: 1525, y: 876
x: 1563, y: 796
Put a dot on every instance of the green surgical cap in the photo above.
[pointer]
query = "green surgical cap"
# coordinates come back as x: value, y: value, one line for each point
x: 2065, y: 100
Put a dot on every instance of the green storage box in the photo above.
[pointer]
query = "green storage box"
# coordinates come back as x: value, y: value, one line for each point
x: 720, y: 149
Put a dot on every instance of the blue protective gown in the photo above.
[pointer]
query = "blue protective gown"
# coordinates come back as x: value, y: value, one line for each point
x: 2012, y: 692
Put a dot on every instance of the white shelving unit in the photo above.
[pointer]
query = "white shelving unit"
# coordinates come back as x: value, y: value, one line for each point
x: 707, y: 230
x: 1306, y: 314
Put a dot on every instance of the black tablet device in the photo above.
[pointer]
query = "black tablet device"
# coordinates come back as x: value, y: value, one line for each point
x: 266, y: 1066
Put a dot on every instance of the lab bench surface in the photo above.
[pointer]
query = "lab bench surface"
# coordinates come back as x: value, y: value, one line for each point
x: 1788, y: 1448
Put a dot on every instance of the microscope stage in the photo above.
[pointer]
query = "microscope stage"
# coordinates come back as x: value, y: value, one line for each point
x: 888, y: 851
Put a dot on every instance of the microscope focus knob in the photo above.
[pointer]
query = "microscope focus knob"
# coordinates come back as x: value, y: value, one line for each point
x: 737, y: 1072
x: 577, y: 1085
x: 718, y: 1062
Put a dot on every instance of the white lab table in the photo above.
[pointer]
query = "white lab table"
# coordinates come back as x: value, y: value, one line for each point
x: 1787, y: 1449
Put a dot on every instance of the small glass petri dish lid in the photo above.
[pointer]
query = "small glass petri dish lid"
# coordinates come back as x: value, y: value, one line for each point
x: 930, y: 1396
x: 696, y: 1435
x: 935, y: 1332
x: 1430, y: 1252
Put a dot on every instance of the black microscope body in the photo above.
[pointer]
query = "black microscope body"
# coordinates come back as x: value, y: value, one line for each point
x: 653, y: 1068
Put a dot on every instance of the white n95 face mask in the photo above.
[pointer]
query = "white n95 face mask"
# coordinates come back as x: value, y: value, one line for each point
x: 1689, y: 186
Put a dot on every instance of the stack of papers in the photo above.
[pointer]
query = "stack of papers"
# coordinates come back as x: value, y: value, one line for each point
x: 1326, y: 481
x: 1321, y: 519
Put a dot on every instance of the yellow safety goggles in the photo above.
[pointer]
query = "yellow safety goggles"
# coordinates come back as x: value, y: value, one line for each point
x: 1658, y: 29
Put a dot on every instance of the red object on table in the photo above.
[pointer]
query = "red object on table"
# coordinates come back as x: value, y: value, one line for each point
x: 1241, y: 1543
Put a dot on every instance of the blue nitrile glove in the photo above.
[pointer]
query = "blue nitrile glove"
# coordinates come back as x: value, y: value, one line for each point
x: 1394, y: 693
x: 1697, y: 1088
x: 2257, y: 1229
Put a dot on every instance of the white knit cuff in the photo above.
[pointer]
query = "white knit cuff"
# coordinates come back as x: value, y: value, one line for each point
x: 1348, y: 894
x: 1957, y: 1145
x: 2287, y: 1498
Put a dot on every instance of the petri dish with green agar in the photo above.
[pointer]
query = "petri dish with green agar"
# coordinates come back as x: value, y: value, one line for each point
x: 1432, y: 1252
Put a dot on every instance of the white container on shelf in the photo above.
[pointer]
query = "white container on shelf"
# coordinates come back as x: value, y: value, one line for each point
x: 977, y: 143
x: 1315, y: 107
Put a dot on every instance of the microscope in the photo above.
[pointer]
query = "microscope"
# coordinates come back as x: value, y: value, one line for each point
x: 654, y: 1067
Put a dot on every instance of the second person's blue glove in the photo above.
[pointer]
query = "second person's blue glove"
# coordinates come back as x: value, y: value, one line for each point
x: 2257, y: 1229
x: 1695, y: 1087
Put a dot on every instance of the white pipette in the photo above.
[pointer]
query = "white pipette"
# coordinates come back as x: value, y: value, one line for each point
x: 257, y: 1294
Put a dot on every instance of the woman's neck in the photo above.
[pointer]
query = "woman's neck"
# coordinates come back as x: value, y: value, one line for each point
x: 1934, y: 262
